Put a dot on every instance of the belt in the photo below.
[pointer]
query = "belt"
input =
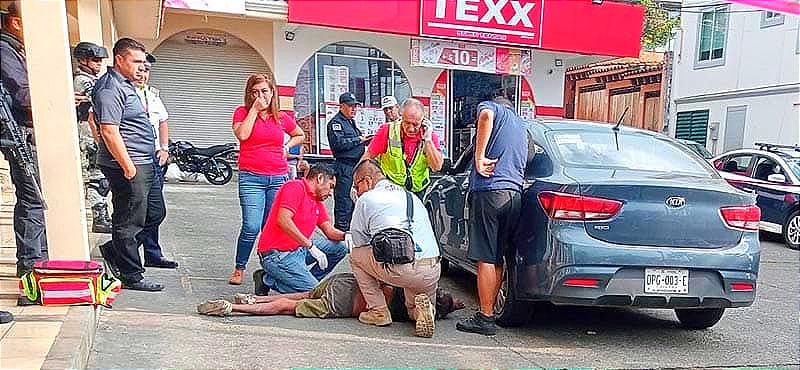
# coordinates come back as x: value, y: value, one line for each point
x: 281, y: 255
x: 430, y: 261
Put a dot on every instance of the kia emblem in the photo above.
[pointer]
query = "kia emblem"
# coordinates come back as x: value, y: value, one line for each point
x: 675, y: 202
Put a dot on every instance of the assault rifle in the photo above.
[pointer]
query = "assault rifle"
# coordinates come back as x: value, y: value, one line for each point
x: 13, y: 138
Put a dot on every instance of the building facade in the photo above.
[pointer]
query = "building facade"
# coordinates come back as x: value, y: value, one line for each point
x: 318, y: 49
x: 735, y: 77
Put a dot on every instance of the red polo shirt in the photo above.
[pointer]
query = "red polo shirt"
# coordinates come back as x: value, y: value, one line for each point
x: 296, y: 196
x: 262, y: 152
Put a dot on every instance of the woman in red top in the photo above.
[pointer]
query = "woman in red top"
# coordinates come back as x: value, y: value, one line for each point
x: 260, y: 126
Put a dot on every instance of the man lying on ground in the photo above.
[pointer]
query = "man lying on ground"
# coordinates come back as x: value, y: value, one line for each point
x: 336, y: 296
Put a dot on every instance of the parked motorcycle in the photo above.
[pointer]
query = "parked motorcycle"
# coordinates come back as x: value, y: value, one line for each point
x: 211, y: 162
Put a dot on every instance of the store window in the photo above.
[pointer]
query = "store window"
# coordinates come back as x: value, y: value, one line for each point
x: 713, y: 30
x: 365, y: 71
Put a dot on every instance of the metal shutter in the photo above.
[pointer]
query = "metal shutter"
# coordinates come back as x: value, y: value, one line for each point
x: 201, y: 86
x: 692, y: 125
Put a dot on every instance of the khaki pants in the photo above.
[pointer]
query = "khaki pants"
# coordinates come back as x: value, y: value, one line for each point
x: 422, y: 276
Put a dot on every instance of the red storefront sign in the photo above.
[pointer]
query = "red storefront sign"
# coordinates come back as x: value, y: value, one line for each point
x: 574, y: 26
x: 511, y: 22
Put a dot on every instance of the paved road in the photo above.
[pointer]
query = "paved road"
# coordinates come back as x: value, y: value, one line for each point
x: 149, y: 330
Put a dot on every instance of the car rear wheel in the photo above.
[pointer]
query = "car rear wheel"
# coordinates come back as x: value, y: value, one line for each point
x: 508, y: 310
x: 699, y: 318
x: 791, y: 230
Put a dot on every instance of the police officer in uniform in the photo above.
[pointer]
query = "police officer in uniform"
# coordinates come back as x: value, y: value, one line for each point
x: 156, y: 207
x: 90, y: 61
x: 347, y: 144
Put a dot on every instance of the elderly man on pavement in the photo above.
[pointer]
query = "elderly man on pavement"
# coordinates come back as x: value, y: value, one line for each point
x: 382, y: 205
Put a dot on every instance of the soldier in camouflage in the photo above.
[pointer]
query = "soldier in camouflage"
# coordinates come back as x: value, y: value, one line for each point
x: 90, y: 58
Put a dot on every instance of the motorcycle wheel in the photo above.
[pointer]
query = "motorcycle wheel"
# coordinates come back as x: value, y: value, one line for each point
x: 219, y: 171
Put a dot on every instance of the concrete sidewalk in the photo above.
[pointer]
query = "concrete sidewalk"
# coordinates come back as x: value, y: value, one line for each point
x: 162, y: 330
x: 150, y: 330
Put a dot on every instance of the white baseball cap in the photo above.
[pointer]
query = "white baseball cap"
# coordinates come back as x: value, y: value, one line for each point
x: 388, y: 102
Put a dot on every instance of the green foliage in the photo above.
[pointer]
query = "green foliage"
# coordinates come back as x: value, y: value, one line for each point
x: 657, y: 26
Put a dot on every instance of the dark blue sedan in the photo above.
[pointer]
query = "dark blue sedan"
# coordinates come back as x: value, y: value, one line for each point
x: 614, y: 218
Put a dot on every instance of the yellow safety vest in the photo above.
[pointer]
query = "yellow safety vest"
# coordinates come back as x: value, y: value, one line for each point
x: 393, y: 163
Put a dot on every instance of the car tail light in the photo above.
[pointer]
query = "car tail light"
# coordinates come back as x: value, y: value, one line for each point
x: 563, y: 206
x: 744, y: 218
x: 582, y: 283
x: 742, y: 287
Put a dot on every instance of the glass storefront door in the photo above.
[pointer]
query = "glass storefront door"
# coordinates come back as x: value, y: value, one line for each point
x: 468, y: 90
x: 337, y: 68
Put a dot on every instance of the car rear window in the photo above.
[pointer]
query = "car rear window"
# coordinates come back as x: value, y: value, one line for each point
x: 637, y: 151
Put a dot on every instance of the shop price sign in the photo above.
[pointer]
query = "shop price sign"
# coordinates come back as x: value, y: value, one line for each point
x: 512, y: 22
x: 459, y: 57
x: 470, y: 57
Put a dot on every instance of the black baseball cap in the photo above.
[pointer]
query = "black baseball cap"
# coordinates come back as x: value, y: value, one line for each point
x: 349, y: 99
x: 11, y: 10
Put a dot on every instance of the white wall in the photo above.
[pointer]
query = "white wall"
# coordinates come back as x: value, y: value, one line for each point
x: 756, y: 60
x: 754, y: 56
x: 772, y: 119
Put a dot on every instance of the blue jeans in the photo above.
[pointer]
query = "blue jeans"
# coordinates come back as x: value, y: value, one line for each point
x: 287, y: 272
x: 256, y: 194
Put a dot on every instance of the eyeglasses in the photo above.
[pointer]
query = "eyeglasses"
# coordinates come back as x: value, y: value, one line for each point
x: 261, y: 92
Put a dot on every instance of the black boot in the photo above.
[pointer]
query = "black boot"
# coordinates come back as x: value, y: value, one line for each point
x: 478, y: 324
x: 101, y: 223
x: 258, y: 281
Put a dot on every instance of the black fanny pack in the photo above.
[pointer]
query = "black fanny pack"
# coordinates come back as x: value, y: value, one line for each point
x: 395, y: 246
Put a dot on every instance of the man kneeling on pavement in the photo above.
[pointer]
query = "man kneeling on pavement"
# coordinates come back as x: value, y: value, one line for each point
x: 336, y: 296
x: 293, y: 262
x: 383, y: 205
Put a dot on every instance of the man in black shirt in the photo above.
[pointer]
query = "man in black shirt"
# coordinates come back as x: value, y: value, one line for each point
x: 347, y: 144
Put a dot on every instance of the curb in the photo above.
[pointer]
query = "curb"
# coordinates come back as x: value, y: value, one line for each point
x: 74, y: 342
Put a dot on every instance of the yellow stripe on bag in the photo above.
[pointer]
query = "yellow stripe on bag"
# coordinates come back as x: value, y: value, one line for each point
x: 29, y: 286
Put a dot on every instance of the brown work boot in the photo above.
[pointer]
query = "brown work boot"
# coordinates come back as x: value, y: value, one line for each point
x: 236, y: 277
x: 425, y: 315
x: 217, y: 307
x: 376, y: 316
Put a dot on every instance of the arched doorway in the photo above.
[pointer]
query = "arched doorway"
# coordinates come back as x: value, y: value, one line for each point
x: 201, y: 76
x: 352, y: 66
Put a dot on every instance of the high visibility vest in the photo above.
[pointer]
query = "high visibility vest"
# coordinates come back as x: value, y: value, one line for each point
x: 415, y: 177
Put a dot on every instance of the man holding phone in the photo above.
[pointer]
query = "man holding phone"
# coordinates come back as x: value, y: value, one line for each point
x: 407, y: 149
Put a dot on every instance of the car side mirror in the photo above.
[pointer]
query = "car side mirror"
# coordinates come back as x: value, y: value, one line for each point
x: 447, y: 166
x: 777, y: 178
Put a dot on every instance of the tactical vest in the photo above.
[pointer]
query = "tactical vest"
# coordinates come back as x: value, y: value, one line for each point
x: 415, y: 177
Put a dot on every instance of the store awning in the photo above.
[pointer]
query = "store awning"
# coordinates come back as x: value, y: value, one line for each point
x: 780, y: 6
x: 578, y: 26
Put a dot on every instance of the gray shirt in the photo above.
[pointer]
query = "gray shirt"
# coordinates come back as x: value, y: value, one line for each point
x: 385, y: 207
x: 116, y: 103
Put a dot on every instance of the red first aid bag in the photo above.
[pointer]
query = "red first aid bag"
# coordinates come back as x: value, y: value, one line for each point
x: 58, y: 283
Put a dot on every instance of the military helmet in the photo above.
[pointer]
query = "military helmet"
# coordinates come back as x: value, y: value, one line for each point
x: 88, y: 50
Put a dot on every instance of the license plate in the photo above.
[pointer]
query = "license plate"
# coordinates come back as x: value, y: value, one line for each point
x: 674, y: 281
